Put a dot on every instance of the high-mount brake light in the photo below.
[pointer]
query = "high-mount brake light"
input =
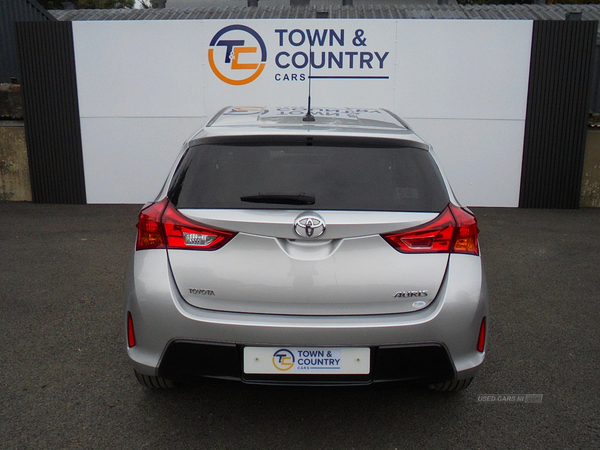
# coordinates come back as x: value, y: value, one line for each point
x: 454, y: 230
x: 162, y: 226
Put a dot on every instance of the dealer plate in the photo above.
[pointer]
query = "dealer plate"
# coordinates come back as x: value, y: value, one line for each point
x: 307, y: 360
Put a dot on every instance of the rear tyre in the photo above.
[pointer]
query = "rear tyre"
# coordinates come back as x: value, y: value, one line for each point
x: 153, y: 382
x: 452, y: 386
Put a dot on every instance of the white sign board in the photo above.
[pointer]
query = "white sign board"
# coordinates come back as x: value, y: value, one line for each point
x: 146, y: 86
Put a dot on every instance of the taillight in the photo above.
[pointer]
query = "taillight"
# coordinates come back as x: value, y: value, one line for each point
x: 481, y: 338
x: 150, y: 230
x: 184, y: 233
x: 453, y: 231
x: 162, y: 226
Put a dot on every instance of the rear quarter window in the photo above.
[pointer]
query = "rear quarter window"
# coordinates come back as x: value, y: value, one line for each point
x: 340, y: 177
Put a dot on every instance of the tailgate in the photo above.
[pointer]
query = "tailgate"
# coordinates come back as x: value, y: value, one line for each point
x: 349, y: 270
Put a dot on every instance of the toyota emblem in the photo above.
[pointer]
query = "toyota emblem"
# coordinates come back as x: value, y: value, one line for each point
x: 309, y: 225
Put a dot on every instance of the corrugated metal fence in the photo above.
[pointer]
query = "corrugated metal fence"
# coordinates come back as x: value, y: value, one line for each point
x: 557, y: 108
x: 52, y: 125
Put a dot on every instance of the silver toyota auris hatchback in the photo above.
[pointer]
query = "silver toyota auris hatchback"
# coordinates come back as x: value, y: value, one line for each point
x: 290, y: 248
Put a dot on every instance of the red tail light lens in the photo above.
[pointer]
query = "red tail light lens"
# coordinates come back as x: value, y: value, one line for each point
x: 453, y: 231
x: 184, y: 233
x: 162, y: 226
x: 150, y: 230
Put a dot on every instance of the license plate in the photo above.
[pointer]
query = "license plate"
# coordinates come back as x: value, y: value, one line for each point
x: 307, y: 360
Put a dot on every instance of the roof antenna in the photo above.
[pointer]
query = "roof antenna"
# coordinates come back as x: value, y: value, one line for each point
x: 309, y: 117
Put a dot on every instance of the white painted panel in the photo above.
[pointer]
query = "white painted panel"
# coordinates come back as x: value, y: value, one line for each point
x: 139, y: 68
x: 126, y: 160
x: 481, y: 158
x: 463, y: 69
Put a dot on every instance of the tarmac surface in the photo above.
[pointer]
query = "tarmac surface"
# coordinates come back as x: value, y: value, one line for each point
x: 65, y: 381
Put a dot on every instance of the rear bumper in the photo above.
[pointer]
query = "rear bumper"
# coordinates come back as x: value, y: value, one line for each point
x: 428, y: 363
x: 177, y: 340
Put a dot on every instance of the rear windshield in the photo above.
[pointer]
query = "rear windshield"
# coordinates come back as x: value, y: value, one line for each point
x: 335, y: 177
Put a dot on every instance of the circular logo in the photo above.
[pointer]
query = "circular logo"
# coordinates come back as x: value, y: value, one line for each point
x: 237, y: 55
x: 309, y: 225
x: 283, y: 359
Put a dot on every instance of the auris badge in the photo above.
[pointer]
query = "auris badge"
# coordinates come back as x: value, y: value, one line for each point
x: 309, y: 225
x: 237, y: 54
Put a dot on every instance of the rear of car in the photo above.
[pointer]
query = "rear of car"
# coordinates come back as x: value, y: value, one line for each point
x: 295, y: 252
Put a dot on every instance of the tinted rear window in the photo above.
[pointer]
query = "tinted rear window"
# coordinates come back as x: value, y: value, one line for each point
x: 339, y: 177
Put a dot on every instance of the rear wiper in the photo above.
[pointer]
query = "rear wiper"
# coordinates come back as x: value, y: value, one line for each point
x: 282, y: 199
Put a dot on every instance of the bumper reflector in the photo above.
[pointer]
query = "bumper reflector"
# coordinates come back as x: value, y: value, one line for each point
x: 130, y: 333
x: 481, y: 339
